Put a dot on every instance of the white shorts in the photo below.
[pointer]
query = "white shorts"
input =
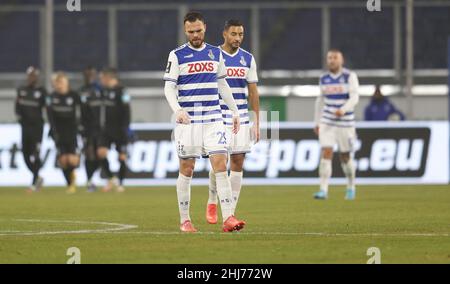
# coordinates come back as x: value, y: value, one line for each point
x: 344, y: 137
x: 197, y: 140
x: 241, y: 142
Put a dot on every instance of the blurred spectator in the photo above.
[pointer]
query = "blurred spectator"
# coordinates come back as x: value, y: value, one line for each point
x: 381, y: 108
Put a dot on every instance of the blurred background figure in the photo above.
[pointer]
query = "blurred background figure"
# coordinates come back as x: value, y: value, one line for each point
x: 381, y: 108
x: 114, y: 124
x: 63, y: 107
x: 30, y: 102
x: 91, y: 102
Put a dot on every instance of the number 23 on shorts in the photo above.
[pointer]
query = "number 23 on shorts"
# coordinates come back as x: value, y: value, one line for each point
x: 222, y: 138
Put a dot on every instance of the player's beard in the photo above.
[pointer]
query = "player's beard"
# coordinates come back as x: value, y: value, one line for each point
x: 334, y: 69
x: 197, y: 43
x: 235, y: 46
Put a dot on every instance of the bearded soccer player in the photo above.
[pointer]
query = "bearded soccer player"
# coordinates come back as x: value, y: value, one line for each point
x: 335, y: 121
x: 242, y: 78
x: 194, y: 77
x: 30, y: 102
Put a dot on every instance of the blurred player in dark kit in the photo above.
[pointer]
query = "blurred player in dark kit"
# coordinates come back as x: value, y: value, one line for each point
x: 63, y: 108
x: 30, y: 102
x: 114, y: 121
x: 91, y: 102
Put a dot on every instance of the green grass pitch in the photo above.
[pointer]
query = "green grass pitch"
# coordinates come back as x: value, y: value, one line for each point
x: 409, y: 224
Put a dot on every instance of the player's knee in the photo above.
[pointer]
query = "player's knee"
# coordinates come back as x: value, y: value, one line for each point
x: 219, y: 166
x: 74, y: 161
x: 62, y: 161
x: 344, y: 157
x: 218, y: 163
x: 237, y: 163
x: 327, y: 153
x: 187, y: 167
x: 187, y: 171
x: 90, y: 154
x: 122, y: 157
x: 102, y: 153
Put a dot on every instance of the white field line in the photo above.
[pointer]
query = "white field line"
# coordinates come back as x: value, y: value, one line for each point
x: 117, y: 228
x: 294, y: 234
x: 114, y: 228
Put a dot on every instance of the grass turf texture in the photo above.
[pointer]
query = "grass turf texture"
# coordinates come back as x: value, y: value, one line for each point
x: 282, y: 226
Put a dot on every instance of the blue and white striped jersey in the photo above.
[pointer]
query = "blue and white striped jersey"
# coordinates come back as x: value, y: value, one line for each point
x: 336, y: 91
x: 195, y: 71
x: 241, y: 70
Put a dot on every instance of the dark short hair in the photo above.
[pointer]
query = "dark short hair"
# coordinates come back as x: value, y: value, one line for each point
x: 110, y: 71
x: 193, y: 16
x: 232, y: 23
x: 335, y: 50
x: 89, y: 67
x: 32, y: 69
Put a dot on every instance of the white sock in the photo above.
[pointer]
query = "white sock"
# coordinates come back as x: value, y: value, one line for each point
x: 184, y: 196
x: 325, y: 171
x: 236, y: 184
x: 212, y: 188
x: 225, y: 195
x: 350, y: 172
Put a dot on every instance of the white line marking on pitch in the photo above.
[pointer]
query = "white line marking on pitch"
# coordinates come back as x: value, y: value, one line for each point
x: 295, y: 234
x: 116, y: 227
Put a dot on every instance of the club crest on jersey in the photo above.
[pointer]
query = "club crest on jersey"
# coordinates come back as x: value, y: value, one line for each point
x: 37, y: 94
x: 69, y: 101
x: 242, y: 61
x: 211, y: 54
x: 112, y: 95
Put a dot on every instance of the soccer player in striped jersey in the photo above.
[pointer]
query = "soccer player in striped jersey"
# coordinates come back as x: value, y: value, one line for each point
x: 335, y: 121
x: 194, y: 76
x: 242, y: 78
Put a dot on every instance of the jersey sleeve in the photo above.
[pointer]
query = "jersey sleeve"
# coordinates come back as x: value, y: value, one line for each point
x: 172, y: 70
x: 43, y: 97
x: 126, y: 110
x: 320, y: 86
x: 17, y: 106
x: 353, y: 93
x: 85, y: 112
x: 252, y: 76
x: 78, y: 113
x: 222, y: 69
x: 50, y: 117
x: 126, y: 97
